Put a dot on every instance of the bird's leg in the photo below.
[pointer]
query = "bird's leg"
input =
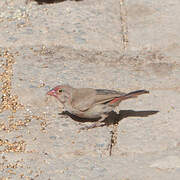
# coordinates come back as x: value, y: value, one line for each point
x: 99, y: 123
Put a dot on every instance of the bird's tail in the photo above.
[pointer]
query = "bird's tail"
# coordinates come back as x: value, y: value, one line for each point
x: 132, y: 94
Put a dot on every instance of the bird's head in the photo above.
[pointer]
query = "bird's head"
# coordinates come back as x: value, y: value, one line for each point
x: 61, y: 92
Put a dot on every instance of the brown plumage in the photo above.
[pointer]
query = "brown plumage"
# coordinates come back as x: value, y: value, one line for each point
x: 91, y: 103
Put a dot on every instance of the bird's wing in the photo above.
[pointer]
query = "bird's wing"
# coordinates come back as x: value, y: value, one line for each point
x: 85, y: 98
x: 104, y: 95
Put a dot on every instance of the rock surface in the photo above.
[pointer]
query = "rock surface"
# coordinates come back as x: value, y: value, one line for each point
x: 117, y: 44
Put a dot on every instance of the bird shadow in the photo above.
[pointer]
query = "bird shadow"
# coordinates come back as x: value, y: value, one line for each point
x: 40, y: 2
x: 113, y: 118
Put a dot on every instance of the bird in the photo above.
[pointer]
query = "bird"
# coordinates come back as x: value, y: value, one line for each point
x: 91, y: 103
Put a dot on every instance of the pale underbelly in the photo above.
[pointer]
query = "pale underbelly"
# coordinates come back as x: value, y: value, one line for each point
x: 94, y: 112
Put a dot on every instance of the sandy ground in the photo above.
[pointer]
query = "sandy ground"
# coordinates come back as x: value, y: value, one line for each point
x: 118, y: 44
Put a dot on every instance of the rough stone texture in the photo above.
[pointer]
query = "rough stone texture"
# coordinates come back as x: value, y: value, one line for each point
x: 117, y: 44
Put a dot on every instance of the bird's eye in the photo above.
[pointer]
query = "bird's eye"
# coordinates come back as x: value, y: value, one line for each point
x: 60, y: 90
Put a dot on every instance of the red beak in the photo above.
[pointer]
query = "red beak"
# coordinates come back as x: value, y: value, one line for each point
x: 52, y: 92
